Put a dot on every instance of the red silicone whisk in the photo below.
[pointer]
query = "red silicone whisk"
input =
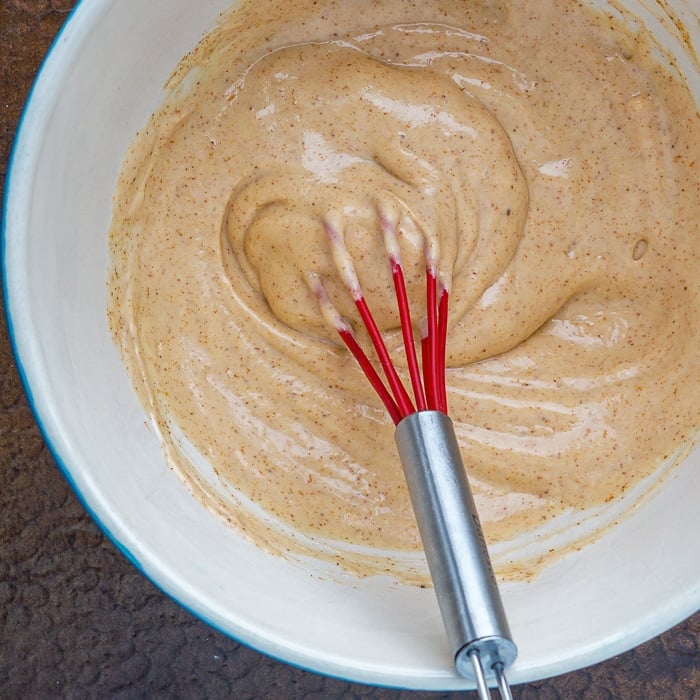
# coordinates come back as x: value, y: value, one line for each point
x: 453, y: 541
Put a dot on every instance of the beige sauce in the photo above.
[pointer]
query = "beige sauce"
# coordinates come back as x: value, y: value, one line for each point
x: 535, y: 149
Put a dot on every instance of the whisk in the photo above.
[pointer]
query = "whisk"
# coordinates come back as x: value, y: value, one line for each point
x: 448, y: 523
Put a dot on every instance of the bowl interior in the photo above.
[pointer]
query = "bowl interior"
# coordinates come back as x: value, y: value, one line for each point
x: 640, y: 578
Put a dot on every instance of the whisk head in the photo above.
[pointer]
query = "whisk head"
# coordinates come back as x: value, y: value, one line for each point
x: 445, y: 511
x: 427, y: 378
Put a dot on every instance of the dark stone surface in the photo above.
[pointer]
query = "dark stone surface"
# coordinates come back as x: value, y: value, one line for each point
x: 77, y: 621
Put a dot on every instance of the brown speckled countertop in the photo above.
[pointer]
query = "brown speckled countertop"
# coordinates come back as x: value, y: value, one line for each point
x: 78, y: 621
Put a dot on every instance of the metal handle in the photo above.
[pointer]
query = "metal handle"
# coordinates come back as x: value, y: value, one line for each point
x: 455, y: 547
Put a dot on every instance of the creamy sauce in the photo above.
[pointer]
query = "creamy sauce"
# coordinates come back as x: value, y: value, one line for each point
x: 540, y: 155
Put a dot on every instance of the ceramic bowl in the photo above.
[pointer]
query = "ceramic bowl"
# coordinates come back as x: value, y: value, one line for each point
x: 91, y: 96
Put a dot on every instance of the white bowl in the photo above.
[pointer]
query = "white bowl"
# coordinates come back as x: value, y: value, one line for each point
x: 94, y: 91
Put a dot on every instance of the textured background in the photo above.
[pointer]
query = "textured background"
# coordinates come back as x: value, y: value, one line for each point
x: 77, y: 621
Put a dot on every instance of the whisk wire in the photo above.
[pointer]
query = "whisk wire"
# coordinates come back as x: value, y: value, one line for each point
x: 374, y: 379
x: 407, y: 333
x: 401, y: 396
x: 442, y: 344
x: 430, y: 358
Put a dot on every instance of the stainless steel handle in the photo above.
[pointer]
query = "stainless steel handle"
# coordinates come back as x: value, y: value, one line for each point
x: 455, y: 548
